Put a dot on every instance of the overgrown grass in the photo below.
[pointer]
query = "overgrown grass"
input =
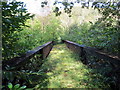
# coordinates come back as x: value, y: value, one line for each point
x: 65, y: 70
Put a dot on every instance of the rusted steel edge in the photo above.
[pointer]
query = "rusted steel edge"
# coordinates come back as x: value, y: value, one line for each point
x: 97, y: 53
x: 17, y: 61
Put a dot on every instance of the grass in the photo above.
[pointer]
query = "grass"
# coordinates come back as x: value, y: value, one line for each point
x: 65, y: 70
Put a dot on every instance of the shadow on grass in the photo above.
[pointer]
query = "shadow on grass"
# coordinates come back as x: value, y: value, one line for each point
x: 62, y: 69
x: 101, y: 72
x: 65, y: 70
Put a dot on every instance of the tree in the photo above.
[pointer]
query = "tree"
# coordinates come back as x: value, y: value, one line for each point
x: 108, y: 24
x: 14, y: 16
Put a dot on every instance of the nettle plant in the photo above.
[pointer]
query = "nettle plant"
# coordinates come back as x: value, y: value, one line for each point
x: 14, y: 16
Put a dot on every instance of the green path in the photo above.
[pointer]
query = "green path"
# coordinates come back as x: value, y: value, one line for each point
x: 65, y: 70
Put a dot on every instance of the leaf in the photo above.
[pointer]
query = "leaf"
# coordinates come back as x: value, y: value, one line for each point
x: 10, y: 85
x: 23, y: 87
x: 16, y: 86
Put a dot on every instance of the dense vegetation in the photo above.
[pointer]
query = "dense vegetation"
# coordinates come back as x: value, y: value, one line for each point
x: 14, y: 16
x: 23, y: 32
x: 82, y: 28
x: 103, y: 34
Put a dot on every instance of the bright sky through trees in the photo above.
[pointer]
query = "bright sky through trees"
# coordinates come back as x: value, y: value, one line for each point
x: 34, y: 6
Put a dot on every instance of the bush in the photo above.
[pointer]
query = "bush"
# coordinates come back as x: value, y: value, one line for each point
x: 14, y: 16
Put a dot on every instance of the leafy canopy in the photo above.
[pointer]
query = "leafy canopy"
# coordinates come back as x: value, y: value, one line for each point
x: 14, y: 16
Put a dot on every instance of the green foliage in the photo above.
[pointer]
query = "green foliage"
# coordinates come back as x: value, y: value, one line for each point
x: 69, y: 72
x: 40, y: 31
x: 16, y: 87
x: 67, y: 8
x: 109, y: 25
x: 14, y: 16
x: 30, y: 74
x: 37, y: 34
x: 103, y: 34
x: 17, y: 39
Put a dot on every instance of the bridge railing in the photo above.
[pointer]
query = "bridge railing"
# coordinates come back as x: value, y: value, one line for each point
x: 38, y: 53
x: 104, y: 63
x: 83, y: 51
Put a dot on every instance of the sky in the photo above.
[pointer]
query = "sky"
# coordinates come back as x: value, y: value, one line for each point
x: 34, y: 6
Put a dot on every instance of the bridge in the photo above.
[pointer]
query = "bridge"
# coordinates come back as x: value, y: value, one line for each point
x: 64, y: 65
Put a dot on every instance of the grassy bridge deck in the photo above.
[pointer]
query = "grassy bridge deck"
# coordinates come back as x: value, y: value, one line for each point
x: 65, y: 70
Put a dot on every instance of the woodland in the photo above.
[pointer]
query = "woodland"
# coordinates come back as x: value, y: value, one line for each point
x: 97, y: 26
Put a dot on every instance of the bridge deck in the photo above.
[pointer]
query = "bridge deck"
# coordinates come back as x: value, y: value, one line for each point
x: 65, y: 70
